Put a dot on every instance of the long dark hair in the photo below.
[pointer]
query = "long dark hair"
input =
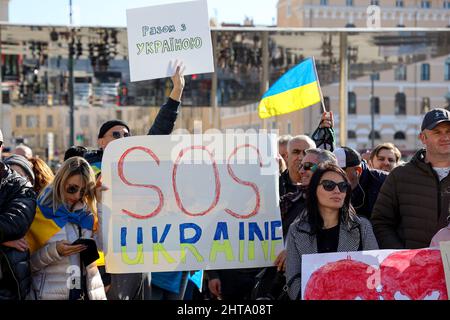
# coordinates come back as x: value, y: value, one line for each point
x: 346, y: 213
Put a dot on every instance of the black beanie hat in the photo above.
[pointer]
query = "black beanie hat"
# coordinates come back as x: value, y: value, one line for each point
x: 23, y: 163
x: 108, y: 125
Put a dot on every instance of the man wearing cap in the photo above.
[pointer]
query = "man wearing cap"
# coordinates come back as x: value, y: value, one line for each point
x: 163, y: 124
x: 413, y: 203
x: 131, y: 286
x: 365, y: 182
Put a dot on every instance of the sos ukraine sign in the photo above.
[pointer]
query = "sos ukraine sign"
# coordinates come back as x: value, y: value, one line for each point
x: 190, y: 202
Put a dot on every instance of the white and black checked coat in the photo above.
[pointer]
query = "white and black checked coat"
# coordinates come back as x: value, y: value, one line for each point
x: 301, y: 240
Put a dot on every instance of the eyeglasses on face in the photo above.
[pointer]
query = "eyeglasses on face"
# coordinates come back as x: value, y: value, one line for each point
x: 72, y: 189
x: 329, y: 185
x: 118, y: 134
x: 308, y: 166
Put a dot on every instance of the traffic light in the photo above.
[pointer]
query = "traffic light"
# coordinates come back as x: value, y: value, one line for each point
x: 79, y: 48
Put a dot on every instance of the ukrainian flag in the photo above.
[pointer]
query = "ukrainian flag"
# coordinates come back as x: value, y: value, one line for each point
x: 296, y: 89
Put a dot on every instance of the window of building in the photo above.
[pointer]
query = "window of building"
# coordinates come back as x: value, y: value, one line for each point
x: 399, y: 135
x: 349, y: 3
x: 447, y: 69
x: 425, y: 4
x: 323, y: 2
x: 376, y: 105
x: 425, y: 72
x: 289, y: 127
x: 400, y: 103
x: 350, y: 25
x: 18, y: 121
x: 374, y: 2
x: 375, y: 76
x: 425, y: 107
x: 351, y: 134
x: 351, y: 103
x: 49, y: 121
x: 399, y: 3
x: 377, y: 135
x: 32, y: 122
x: 288, y: 8
x: 400, y: 73
x: 446, y: 4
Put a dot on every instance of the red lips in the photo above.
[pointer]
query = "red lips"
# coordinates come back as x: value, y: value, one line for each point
x: 413, y: 274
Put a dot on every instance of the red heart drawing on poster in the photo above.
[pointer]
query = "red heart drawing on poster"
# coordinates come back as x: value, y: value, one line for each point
x: 409, y: 274
x: 414, y: 275
x: 341, y: 280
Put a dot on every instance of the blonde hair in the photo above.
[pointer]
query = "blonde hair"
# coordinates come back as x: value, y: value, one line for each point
x: 44, y: 175
x: 71, y: 167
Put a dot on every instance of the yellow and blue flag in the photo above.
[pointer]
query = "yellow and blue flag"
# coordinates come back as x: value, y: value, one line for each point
x: 296, y: 89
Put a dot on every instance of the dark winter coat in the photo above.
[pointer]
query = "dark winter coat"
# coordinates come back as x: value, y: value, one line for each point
x: 17, y: 209
x: 412, y: 206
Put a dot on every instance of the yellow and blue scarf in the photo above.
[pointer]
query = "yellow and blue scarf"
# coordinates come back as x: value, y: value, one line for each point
x: 48, y: 222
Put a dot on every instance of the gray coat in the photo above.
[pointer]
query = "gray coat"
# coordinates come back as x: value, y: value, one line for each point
x: 301, y: 240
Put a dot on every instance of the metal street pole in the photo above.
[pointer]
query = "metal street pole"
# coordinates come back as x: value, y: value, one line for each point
x: 213, y: 98
x: 265, y: 69
x: 343, y: 92
x: 70, y: 67
x: 372, y: 109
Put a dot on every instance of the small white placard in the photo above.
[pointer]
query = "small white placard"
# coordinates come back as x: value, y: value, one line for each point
x: 161, y: 36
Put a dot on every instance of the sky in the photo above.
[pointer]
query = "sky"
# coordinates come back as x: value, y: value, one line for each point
x: 112, y: 12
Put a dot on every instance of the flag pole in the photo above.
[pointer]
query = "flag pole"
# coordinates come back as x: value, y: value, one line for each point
x: 318, y: 85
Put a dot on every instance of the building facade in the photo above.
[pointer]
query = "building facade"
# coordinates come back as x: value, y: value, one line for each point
x: 353, y: 13
x: 416, y: 81
x: 4, y: 10
x: 410, y: 72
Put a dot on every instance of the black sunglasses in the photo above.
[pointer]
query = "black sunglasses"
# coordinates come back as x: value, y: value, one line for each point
x: 308, y: 166
x: 329, y: 185
x: 118, y: 135
x: 72, y: 189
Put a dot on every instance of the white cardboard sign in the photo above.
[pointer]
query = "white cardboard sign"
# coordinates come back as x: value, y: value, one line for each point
x: 191, y: 202
x: 161, y: 36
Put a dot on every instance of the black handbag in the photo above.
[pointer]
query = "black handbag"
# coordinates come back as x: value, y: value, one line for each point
x: 270, y: 285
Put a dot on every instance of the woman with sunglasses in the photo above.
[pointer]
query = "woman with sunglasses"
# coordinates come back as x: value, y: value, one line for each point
x: 328, y: 224
x: 66, y: 211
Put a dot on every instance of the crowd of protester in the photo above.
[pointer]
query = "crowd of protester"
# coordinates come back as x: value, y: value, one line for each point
x: 330, y: 201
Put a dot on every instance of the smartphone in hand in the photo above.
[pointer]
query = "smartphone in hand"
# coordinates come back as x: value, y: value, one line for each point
x: 91, y: 253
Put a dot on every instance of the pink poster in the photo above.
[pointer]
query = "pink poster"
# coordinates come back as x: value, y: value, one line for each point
x: 374, y: 275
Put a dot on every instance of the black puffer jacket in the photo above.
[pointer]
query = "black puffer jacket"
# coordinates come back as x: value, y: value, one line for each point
x: 412, y: 206
x: 17, y: 210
